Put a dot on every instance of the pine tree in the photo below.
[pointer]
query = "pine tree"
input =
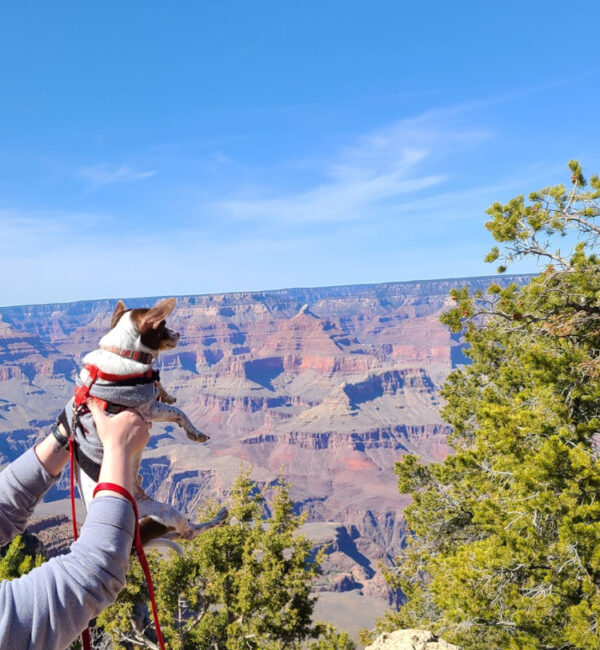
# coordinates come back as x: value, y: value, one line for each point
x: 504, y: 549
x: 16, y: 560
x: 245, y: 585
x: 330, y: 638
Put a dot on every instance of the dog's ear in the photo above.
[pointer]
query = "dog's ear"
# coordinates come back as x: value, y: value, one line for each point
x: 120, y: 309
x: 154, y: 317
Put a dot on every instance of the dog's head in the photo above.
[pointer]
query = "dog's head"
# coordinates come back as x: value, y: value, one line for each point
x: 149, y: 324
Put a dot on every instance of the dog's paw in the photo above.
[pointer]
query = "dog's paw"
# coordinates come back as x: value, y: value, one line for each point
x: 197, y: 436
x: 197, y: 529
x: 221, y: 518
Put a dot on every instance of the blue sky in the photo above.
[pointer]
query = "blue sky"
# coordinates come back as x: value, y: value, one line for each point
x: 154, y: 148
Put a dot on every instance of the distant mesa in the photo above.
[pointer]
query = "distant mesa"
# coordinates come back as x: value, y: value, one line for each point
x: 327, y: 386
x: 263, y: 371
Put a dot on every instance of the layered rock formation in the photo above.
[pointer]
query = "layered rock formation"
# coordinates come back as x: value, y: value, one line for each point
x: 410, y: 640
x: 327, y: 387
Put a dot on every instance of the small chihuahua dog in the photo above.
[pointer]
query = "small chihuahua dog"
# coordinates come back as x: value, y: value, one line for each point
x: 120, y: 374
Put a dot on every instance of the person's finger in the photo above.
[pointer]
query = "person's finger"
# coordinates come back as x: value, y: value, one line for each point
x: 97, y: 413
x: 147, y: 423
x: 134, y: 411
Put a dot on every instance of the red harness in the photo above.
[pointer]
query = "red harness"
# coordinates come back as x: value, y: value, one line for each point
x: 82, y: 393
x: 93, y: 372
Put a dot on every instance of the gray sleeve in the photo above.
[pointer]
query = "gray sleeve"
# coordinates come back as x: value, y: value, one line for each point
x: 22, y: 485
x: 51, y: 605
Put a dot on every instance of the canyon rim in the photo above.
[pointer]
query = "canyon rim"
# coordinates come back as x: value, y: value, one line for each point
x: 327, y: 387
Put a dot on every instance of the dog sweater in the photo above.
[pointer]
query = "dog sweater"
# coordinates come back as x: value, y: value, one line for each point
x: 133, y: 393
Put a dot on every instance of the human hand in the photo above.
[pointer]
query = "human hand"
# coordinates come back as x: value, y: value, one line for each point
x: 123, y: 437
x: 126, y: 432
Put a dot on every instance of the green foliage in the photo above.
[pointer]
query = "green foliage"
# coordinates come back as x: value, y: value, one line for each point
x: 505, y: 545
x: 17, y: 561
x: 331, y: 639
x: 245, y: 585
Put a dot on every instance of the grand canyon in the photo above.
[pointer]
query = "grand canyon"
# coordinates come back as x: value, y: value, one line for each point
x: 324, y: 387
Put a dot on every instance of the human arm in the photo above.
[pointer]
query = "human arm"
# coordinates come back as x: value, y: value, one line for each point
x: 24, y: 482
x: 50, y: 606
x: 53, y: 455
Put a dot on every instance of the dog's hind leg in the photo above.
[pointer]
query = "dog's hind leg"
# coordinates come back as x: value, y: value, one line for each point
x: 193, y: 530
x: 162, y: 521
x: 159, y: 412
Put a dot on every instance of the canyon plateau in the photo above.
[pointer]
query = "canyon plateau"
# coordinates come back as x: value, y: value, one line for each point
x: 326, y: 387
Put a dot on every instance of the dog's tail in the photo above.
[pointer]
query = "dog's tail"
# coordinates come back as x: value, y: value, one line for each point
x: 164, y: 545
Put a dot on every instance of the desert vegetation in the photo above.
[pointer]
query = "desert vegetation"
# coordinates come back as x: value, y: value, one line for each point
x: 246, y: 585
x: 504, y: 550
x: 20, y: 556
x: 503, y: 544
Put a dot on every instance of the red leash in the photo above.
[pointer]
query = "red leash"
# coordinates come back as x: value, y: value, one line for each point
x: 85, y: 636
x: 140, y: 552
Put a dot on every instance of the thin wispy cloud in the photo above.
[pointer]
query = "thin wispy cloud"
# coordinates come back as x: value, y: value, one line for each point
x: 380, y: 168
x: 104, y: 174
x: 399, y: 202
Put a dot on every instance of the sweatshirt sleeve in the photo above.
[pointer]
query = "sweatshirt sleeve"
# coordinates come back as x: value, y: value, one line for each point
x: 51, y: 605
x: 22, y: 485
